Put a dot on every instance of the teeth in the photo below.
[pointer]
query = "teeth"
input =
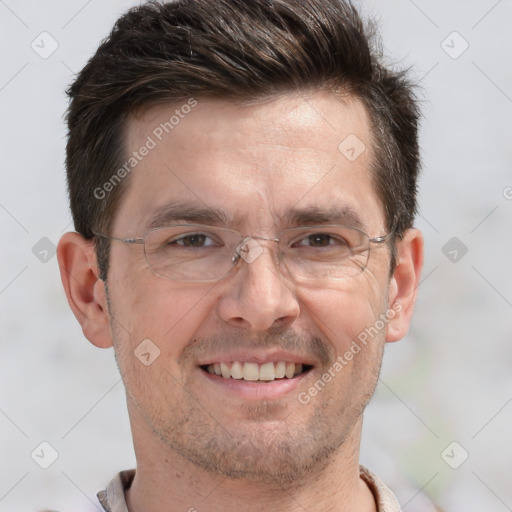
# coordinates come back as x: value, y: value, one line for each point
x: 267, y: 371
x: 236, y: 370
x: 226, y: 372
x: 290, y: 370
x: 250, y: 371
x: 280, y: 370
x: 253, y: 371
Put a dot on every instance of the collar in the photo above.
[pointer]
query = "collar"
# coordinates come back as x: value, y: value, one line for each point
x: 113, y: 498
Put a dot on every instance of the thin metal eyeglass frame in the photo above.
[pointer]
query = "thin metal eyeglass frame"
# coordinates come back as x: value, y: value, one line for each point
x: 244, y: 240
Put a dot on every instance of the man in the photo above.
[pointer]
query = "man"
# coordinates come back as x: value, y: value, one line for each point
x: 242, y: 178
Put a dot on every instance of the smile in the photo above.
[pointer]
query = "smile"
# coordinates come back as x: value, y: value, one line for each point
x: 250, y: 371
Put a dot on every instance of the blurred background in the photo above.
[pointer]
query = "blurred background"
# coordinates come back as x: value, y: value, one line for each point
x: 441, y: 418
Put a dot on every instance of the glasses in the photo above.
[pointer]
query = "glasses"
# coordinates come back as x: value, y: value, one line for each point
x: 197, y: 253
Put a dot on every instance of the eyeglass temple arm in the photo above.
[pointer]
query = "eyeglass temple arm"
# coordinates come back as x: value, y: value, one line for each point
x: 124, y: 240
x: 385, y: 238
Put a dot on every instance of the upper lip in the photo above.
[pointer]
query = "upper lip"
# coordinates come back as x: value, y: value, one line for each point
x: 260, y: 356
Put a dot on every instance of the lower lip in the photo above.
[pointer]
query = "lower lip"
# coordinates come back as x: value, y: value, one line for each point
x: 254, y: 390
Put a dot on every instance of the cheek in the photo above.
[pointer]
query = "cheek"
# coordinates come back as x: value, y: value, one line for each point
x: 153, y: 308
x: 342, y: 313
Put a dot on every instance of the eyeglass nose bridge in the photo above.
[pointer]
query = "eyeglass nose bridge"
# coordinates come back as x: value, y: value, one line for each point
x: 249, y: 249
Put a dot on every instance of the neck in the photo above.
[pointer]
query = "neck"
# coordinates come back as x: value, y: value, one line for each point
x: 166, y: 481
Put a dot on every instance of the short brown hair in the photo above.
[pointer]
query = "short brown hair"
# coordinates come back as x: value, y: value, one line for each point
x: 239, y: 50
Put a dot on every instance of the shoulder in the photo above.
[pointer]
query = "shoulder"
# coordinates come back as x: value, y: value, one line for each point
x: 388, y: 502
x: 112, y: 498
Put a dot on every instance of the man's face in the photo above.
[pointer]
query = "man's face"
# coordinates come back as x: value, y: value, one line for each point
x: 257, y: 165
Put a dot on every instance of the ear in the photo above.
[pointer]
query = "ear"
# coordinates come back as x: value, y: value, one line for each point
x: 404, y: 284
x: 85, y: 291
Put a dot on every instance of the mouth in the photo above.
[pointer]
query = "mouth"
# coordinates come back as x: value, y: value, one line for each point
x: 256, y: 372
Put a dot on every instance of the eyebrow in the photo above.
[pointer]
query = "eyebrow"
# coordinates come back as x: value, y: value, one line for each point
x: 182, y: 212
x: 185, y: 212
x: 315, y: 216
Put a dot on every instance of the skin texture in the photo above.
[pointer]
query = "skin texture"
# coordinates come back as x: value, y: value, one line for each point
x: 199, y: 443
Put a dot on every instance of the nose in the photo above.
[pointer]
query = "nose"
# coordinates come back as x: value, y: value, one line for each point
x: 257, y: 295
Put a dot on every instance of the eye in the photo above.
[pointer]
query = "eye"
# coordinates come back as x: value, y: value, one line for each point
x: 193, y: 240
x: 321, y: 240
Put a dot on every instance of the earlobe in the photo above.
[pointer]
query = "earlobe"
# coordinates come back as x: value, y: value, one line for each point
x: 404, y: 284
x: 84, y: 290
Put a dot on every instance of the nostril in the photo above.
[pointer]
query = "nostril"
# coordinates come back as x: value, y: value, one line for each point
x: 239, y: 321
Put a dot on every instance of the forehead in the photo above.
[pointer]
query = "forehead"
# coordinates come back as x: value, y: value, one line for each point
x: 251, y: 163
